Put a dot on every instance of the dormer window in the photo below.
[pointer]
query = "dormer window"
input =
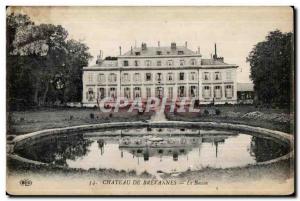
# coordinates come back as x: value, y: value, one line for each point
x: 180, y: 52
x: 137, y: 53
x: 158, y: 52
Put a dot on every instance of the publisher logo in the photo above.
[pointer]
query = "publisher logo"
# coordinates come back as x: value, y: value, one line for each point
x: 25, y: 182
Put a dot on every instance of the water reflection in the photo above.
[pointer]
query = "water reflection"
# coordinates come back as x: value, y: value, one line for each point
x: 152, y: 152
x: 56, y: 150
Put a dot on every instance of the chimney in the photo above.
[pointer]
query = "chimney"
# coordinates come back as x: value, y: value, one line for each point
x: 131, y: 51
x: 186, y: 44
x: 120, y: 48
x: 158, y: 43
x: 99, y: 57
x: 215, y: 56
x: 144, y: 46
x: 173, y: 46
x: 198, y: 49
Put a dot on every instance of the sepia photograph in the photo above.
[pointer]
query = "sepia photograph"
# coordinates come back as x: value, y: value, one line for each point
x: 150, y: 100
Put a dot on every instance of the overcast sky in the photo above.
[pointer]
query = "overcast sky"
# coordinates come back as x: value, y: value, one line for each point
x: 235, y: 29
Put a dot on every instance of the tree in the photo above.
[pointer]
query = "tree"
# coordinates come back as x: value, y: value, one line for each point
x: 19, y: 86
x: 271, y: 63
x: 45, y: 44
x: 78, y: 57
x: 42, y: 61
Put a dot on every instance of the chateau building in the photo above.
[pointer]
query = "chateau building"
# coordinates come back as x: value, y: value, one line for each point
x: 173, y: 72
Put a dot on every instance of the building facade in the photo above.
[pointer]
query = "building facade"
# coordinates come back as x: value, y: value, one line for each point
x: 174, y: 72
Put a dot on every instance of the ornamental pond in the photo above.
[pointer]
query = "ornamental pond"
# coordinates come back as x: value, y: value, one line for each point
x: 155, y: 150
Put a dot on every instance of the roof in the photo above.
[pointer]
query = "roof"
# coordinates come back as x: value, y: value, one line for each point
x: 153, y: 51
x: 106, y: 63
x: 245, y: 87
x: 212, y: 62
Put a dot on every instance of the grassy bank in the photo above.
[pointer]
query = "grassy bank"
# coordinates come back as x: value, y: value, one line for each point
x: 276, y: 119
x: 21, y: 122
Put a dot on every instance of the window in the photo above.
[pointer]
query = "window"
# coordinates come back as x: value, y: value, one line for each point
x: 180, y: 52
x: 228, y: 75
x: 136, y: 63
x: 127, y: 92
x: 181, y: 91
x: 125, y: 63
x: 192, y: 76
x: 170, y: 62
x: 193, y: 91
x: 206, y: 92
x: 217, y: 92
x: 112, y: 77
x: 159, y: 92
x: 90, y: 95
x: 181, y: 76
x: 158, y: 63
x: 101, y: 78
x: 112, y: 92
x: 206, y: 76
x: 147, y: 63
x: 126, y: 77
x: 170, y: 92
x: 228, y: 91
x: 170, y: 77
x: 158, y: 52
x: 90, y: 77
x: 193, y: 62
x: 148, y: 77
x: 181, y: 62
x: 101, y: 93
x: 137, y: 92
x: 148, y: 92
x: 217, y: 76
x: 137, y: 53
x: 137, y: 77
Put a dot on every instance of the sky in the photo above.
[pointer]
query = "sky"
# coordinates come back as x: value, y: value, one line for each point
x: 235, y: 30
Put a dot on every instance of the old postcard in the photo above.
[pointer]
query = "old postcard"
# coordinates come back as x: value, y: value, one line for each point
x: 150, y: 100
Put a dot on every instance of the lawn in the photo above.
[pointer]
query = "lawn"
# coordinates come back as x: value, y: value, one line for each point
x: 276, y: 119
x: 20, y: 122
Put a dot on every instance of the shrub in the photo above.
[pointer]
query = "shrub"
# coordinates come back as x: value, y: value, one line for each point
x: 92, y: 116
x: 206, y: 112
x: 218, y: 112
